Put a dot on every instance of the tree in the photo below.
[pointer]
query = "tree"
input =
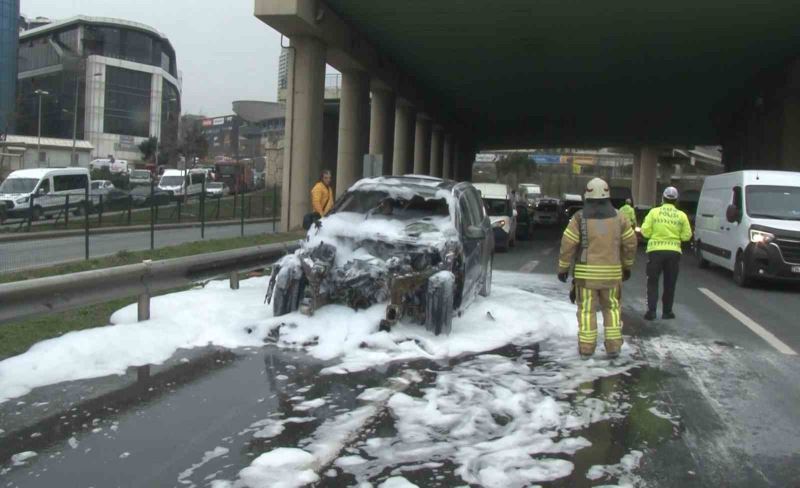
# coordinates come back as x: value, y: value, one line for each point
x: 193, y: 143
x: 148, y: 148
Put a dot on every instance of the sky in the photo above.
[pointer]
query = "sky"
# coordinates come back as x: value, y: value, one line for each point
x: 223, y: 51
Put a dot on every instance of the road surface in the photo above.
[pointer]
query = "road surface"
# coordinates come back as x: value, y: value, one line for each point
x: 25, y: 254
x: 709, y: 402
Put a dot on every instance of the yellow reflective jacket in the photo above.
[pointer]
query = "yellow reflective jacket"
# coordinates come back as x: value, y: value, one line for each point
x: 629, y: 212
x: 321, y: 198
x: 611, y: 247
x: 666, y: 227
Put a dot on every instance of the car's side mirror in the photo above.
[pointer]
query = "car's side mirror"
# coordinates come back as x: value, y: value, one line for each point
x: 732, y: 214
x: 474, y: 232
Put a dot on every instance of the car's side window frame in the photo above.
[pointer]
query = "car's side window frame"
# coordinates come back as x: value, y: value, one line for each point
x: 476, y: 208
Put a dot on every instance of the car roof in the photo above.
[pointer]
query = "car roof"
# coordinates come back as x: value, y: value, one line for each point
x: 39, y: 173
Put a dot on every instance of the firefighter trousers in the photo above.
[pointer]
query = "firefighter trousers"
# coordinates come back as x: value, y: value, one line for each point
x: 608, y: 300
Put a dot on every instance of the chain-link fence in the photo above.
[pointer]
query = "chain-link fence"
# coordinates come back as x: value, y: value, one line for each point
x: 56, y: 228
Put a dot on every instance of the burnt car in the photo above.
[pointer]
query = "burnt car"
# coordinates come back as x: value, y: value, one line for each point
x: 421, y: 245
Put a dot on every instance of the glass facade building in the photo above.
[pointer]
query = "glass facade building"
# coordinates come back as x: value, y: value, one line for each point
x: 123, y: 76
x: 9, y: 34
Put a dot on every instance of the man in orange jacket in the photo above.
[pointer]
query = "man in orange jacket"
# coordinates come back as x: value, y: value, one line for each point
x: 322, y: 195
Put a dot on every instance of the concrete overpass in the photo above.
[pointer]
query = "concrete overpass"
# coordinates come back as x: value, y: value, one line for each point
x: 426, y: 84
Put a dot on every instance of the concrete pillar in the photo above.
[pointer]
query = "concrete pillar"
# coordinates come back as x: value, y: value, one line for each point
x: 353, y: 129
x: 404, y: 120
x: 648, y: 175
x: 381, y: 127
x: 447, y: 157
x: 422, y: 143
x: 635, y: 181
x: 304, y: 105
x: 435, y: 168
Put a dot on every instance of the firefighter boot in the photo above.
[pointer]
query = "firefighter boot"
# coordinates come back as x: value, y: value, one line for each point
x: 613, y: 347
x: 586, y: 349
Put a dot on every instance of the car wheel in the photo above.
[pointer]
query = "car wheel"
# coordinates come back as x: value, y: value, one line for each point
x: 740, y: 272
x: 439, y: 303
x: 486, y: 287
x: 286, y: 298
x: 702, y: 262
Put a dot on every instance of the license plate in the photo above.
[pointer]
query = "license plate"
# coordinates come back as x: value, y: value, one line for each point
x: 795, y: 269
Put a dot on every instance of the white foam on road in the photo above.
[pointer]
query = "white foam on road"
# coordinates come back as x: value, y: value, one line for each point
x: 194, y: 318
x: 623, y: 471
x: 216, y: 315
x: 501, y: 422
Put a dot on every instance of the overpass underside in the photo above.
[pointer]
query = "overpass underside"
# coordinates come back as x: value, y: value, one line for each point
x: 427, y: 83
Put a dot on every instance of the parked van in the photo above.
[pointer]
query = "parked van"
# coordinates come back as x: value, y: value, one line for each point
x: 181, y: 183
x: 749, y: 222
x: 502, y: 213
x: 46, y: 188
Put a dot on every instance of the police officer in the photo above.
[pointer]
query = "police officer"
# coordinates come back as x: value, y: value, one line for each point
x: 628, y: 211
x: 601, y: 242
x: 666, y: 227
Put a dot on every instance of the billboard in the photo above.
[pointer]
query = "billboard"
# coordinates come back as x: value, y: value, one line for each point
x: 545, y: 158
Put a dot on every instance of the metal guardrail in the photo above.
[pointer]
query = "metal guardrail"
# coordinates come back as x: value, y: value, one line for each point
x: 67, y: 292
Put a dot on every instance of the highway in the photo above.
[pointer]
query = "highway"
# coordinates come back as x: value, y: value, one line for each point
x: 25, y: 254
x: 709, y: 402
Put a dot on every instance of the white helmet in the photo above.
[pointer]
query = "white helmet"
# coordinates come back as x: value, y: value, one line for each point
x: 597, y: 189
x: 671, y: 193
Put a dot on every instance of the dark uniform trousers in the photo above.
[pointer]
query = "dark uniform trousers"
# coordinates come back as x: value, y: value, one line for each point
x: 668, y: 263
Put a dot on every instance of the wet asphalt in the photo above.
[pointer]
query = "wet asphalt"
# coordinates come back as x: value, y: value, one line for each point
x: 731, y: 398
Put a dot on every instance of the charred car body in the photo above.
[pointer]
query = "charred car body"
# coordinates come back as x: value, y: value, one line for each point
x: 424, y: 245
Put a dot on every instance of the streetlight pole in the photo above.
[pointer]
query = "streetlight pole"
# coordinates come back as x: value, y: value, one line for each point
x: 40, y: 93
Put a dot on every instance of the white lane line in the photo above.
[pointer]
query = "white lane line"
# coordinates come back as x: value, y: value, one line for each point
x: 529, y: 267
x: 749, y: 323
x: 548, y: 251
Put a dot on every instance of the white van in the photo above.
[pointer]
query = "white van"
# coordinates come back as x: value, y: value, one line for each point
x: 47, y: 188
x: 749, y: 222
x: 502, y: 213
x: 181, y: 183
x: 530, y: 192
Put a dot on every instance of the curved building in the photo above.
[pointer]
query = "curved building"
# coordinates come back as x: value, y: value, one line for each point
x: 9, y: 33
x: 122, y: 76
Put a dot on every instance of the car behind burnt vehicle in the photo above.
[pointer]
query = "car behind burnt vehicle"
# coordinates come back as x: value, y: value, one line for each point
x: 424, y: 245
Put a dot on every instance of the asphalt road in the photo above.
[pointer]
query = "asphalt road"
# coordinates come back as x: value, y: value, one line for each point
x: 25, y: 254
x: 731, y: 397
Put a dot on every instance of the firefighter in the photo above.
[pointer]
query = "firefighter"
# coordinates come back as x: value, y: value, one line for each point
x: 666, y: 227
x: 628, y: 211
x: 602, y: 244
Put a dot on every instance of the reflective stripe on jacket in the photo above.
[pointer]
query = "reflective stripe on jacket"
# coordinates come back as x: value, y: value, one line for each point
x: 666, y: 227
x: 611, y: 248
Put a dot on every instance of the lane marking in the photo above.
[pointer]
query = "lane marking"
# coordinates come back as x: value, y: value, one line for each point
x: 548, y: 251
x: 749, y: 323
x: 529, y: 267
